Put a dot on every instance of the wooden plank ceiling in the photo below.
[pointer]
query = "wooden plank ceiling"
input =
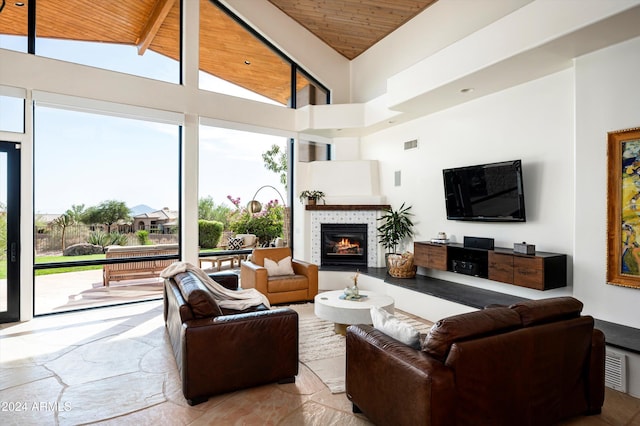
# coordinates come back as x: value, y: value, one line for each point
x: 227, y: 50
x: 351, y: 26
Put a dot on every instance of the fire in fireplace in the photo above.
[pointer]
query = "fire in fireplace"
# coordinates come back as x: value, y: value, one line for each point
x: 343, y: 244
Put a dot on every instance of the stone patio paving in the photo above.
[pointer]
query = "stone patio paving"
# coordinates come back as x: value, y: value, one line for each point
x: 83, y: 289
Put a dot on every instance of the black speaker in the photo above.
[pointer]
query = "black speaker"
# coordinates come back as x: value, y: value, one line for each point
x: 479, y: 243
x: 465, y: 267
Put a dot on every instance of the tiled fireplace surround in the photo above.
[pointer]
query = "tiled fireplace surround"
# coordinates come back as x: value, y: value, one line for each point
x: 347, y: 214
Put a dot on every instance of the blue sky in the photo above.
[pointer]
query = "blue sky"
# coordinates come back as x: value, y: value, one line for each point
x: 83, y: 158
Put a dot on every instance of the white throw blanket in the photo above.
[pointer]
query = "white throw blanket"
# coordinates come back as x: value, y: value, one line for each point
x: 230, y: 299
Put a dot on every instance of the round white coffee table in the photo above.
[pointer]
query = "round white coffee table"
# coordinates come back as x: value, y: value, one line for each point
x: 329, y: 306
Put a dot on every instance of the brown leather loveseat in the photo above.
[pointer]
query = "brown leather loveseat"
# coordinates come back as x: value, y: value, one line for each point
x: 533, y: 363
x: 219, y: 350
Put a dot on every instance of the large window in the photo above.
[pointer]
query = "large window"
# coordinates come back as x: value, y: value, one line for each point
x: 105, y: 188
x: 309, y: 92
x: 237, y: 167
x: 14, y: 25
x: 11, y: 110
x: 236, y: 61
x: 143, y: 38
x: 136, y: 37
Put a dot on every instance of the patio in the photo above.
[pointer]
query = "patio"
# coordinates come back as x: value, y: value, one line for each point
x: 83, y: 289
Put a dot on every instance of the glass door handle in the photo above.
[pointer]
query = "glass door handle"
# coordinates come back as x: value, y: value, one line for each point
x: 14, y: 252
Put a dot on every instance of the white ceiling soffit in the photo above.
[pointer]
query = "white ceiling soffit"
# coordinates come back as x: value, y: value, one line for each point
x: 519, y: 67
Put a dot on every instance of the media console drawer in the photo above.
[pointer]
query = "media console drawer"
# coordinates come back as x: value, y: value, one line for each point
x: 541, y: 271
x: 432, y: 256
x: 501, y: 267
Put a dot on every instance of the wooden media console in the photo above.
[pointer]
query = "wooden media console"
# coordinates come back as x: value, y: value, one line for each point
x: 539, y: 271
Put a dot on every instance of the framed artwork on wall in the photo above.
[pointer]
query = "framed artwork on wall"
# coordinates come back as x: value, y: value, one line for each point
x: 623, y: 208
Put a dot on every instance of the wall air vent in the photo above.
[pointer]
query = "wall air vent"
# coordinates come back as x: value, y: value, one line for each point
x: 412, y: 144
x: 615, y: 371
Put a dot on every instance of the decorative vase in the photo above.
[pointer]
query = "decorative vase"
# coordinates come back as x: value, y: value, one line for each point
x: 353, y: 292
x: 311, y: 201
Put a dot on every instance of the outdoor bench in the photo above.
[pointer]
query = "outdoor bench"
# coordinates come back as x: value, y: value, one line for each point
x: 134, y: 270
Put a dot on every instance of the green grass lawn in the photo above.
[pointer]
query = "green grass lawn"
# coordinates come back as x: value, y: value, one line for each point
x: 51, y: 259
x: 55, y: 259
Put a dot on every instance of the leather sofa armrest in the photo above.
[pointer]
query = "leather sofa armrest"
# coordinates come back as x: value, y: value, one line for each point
x: 300, y: 267
x: 253, y: 276
x: 381, y: 372
x: 309, y: 270
x: 226, y: 279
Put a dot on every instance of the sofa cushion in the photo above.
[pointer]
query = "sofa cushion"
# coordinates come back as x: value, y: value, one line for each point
x: 259, y: 308
x: 541, y: 311
x: 468, y: 326
x: 285, y: 283
x: 196, y: 294
x: 281, y: 267
x: 249, y: 240
x: 392, y: 326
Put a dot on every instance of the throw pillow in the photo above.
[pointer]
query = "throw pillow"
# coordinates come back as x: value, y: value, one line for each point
x: 392, y: 326
x: 283, y: 267
x: 235, y: 243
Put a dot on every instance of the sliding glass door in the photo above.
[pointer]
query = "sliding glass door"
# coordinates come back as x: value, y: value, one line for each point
x: 9, y: 232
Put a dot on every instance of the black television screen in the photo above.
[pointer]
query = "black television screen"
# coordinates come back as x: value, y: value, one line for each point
x: 487, y: 192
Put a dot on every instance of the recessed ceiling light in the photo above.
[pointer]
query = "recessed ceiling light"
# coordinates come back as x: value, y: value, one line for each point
x: 19, y: 3
x: 247, y: 62
x: 466, y: 90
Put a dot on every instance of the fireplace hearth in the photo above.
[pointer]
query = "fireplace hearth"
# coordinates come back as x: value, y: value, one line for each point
x: 343, y: 244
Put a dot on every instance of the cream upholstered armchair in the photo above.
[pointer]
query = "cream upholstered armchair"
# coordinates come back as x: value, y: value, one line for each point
x: 282, y: 279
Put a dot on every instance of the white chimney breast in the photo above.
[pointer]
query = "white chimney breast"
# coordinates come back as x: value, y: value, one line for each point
x: 347, y: 182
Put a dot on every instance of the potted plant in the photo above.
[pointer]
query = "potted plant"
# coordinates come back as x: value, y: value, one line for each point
x: 396, y: 226
x: 312, y: 196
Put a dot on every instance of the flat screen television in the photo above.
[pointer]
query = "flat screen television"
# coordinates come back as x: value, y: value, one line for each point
x: 487, y: 192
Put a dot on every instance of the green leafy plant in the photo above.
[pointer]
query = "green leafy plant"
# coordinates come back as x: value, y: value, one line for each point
x: 267, y: 224
x: 143, y: 237
x: 63, y: 222
x: 209, y: 210
x: 275, y: 159
x: 396, y: 225
x: 108, y: 213
x: 209, y: 232
x: 103, y: 239
x: 311, y: 195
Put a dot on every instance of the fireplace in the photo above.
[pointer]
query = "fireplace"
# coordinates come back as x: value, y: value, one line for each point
x: 343, y: 244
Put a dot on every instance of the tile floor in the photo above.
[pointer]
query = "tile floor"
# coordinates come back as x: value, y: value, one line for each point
x: 114, y: 366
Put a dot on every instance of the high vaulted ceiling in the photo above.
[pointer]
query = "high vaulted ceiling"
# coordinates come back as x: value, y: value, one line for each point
x: 351, y: 26
x: 227, y: 50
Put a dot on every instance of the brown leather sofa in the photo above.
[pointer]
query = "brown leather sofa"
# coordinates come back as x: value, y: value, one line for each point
x: 301, y: 286
x: 533, y: 363
x: 219, y: 350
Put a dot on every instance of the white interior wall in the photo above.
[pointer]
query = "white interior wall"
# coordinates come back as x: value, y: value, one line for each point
x: 558, y: 126
x: 407, y: 45
x: 494, y: 128
x: 607, y: 99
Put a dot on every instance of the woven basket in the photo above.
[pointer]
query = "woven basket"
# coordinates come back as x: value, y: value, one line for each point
x: 401, y: 265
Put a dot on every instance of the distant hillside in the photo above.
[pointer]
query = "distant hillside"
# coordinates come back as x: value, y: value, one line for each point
x: 141, y: 209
